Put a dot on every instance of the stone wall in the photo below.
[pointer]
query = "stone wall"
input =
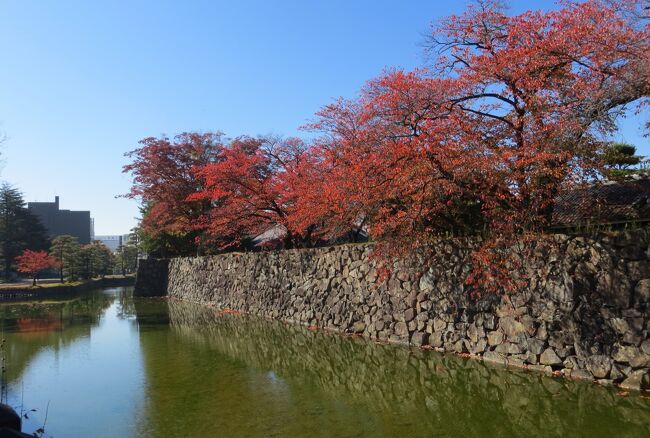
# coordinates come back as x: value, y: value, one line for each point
x: 151, y: 278
x: 585, y: 313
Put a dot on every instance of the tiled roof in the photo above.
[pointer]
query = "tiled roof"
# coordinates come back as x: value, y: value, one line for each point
x: 604, y: 203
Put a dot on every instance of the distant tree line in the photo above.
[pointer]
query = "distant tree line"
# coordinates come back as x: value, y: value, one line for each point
x: 26, y: 249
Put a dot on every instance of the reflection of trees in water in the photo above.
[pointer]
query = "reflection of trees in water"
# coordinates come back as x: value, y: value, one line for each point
x: 125, y: 305
x: 30, y: 327
x: 411, y: 389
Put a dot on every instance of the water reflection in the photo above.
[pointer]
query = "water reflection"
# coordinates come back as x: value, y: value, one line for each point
x: 75, y: 361
x: 112, y: 366
x: 261, y: 377
x: 53, y: 324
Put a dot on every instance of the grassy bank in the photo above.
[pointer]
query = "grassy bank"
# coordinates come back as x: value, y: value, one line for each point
x: 21, y: 291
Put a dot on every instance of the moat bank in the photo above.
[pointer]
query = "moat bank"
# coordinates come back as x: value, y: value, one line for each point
x: 585, y: 313
x: 17, y: 293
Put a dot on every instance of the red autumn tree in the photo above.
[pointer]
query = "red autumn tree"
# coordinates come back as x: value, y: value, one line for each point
x: 248, y: 191
x: 163, y: 179
x: 35, y: 262
x: 329, y: 183
x: 508, y: 115
x: 511, y: 111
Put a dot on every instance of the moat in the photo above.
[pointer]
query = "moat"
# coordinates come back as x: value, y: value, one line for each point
x: 106, y: 364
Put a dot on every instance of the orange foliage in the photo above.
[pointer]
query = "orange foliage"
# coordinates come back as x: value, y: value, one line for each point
x: 480, y: 142
x: 34, y: 262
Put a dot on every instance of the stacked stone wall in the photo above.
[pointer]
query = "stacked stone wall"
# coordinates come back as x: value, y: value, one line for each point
x: 585, y: 312
x: 151, y: 277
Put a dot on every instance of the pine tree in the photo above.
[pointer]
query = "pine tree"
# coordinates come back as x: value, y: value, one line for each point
x: 19, y: 229
x: 65, y: 250
x: 621, y: 160
x: 95, y: 260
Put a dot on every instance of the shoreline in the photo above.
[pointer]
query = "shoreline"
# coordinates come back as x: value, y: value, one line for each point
x: 14, y: 293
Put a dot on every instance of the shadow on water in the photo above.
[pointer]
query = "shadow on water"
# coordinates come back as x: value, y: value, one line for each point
x: 238, y: 376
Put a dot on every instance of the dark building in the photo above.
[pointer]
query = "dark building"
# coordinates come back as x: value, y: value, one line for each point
x: 60, y: 222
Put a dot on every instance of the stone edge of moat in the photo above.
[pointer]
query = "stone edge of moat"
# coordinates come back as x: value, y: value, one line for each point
x: 584, y: 316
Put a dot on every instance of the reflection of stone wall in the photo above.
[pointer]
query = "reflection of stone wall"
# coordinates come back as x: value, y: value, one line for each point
x: 413, y: 384
x: 585, y: 312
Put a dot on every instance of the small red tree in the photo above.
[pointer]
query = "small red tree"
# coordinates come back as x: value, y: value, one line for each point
x: 34, y: 262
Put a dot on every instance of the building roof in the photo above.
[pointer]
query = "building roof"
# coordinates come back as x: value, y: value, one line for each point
x: 604, y: 203
x: 270, y: 237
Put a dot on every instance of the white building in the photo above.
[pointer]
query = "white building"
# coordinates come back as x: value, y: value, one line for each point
x: 113, y: 242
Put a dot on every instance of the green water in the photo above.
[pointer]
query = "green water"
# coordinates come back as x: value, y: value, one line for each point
x: 108, y: 365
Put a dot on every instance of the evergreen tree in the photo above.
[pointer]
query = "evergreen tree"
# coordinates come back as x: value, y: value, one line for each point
x: 127, y: 258
x: 621, y: 160
x: 84, y: 262
x: 19, y: 229
x: 104, y: 260
x: 95, y: 260
x: 65, y: 249
x: 621, y: 156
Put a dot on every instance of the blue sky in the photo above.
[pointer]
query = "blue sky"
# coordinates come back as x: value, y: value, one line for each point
x: 82, y: 81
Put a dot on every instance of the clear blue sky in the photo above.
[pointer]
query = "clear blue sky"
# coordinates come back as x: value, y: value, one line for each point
x: 82, y: 81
